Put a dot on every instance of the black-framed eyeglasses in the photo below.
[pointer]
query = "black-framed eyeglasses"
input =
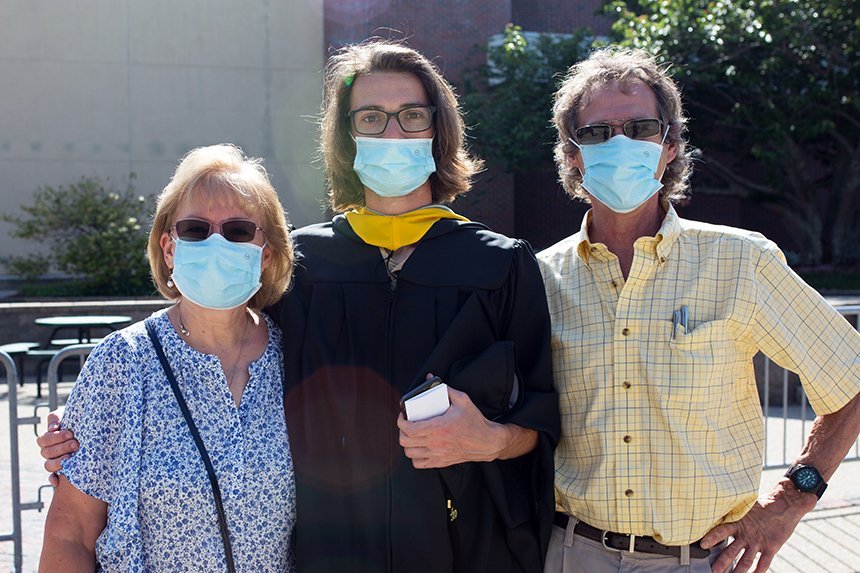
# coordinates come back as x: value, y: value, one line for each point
x: 234, y: 230
x: 375, y: 121
x: 634, y: 129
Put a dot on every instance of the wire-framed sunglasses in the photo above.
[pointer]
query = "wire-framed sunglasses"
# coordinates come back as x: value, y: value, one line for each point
x: 634, y: 129
x: 234, y: 230
x: 413, y: 119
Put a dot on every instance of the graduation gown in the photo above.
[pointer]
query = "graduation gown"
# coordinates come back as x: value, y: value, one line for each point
x: 469, y: 306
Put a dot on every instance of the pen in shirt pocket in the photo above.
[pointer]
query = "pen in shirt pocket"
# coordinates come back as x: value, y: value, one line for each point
x: 682, y: 317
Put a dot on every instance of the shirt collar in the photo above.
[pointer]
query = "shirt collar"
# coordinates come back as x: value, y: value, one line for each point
x: 583, y: 248
x: 666, y: 236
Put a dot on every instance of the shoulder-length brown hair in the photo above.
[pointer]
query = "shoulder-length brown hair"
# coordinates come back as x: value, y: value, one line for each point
x: 454, y: 166
x: 224, y: 170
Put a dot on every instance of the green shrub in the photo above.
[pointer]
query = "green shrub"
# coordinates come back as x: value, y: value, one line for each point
x: 89, y: 231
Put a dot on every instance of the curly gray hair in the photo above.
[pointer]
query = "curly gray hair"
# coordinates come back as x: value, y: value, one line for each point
x: 622, y: 66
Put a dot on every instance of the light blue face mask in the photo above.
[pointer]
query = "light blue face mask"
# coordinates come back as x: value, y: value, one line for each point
x: 215, y: 273
x: 620, y: 172
x: 393, y: 167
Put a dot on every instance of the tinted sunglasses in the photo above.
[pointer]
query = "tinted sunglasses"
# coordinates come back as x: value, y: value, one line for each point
x: 634, y: 129
x: 234, y: 230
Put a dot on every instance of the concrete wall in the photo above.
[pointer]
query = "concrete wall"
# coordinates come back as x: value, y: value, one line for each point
x: 108, y: 87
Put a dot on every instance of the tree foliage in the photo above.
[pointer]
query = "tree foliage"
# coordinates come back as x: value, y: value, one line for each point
x: 91, y: 231
x: 509, y: 101
x: 773, y: 87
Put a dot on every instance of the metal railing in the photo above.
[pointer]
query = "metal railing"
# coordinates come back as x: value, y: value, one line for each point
x: 15, y: 421
x: 793, y: 422
x: 16, y: 536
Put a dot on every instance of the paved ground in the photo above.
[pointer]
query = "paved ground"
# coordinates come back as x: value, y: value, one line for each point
x: 826, y: 541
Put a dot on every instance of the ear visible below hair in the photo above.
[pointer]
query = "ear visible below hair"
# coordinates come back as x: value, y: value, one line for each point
x: 573, y: 160
x: 168, y: 248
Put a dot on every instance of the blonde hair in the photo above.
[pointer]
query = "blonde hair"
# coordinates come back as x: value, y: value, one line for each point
x: 225, y: 173
x: 622, y: 66
x: 454, y: 166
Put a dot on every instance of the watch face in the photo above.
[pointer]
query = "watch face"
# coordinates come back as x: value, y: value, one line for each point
x: 806, y: 479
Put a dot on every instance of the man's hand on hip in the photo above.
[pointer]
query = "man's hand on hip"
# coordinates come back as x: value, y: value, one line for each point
x: 763, y: 530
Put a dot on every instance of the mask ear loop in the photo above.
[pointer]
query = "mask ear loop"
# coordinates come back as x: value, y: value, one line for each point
x: 570, y: 139
x: 662, y: 141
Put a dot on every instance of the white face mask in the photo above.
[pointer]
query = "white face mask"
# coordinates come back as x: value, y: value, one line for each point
x: 393, y: 167
x: 620, y: 173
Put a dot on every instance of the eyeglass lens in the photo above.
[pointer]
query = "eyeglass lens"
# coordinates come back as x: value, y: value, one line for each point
x: 634, y: 129
x: 375, y: 121
x: 234, y: 230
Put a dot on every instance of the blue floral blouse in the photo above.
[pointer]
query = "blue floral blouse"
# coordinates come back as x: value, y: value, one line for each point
x: 137, y: 455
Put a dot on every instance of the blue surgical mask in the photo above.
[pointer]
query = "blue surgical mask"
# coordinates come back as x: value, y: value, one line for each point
x: 215, y: 273
x: 393, y: 167
x: 620, y: 172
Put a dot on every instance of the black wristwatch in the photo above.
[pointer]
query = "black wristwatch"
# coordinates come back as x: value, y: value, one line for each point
x: 807, y: 479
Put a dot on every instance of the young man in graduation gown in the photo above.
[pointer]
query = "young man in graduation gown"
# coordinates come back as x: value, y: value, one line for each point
x: 395, y: 288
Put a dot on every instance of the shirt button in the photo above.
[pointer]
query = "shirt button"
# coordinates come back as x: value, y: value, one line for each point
x: 613, y: 284
x: 625, y: 332
x: 662, y: 260
x: 627, y: 439
x: 625, y: 385
x: 628, y: 492
x: 593, y: 249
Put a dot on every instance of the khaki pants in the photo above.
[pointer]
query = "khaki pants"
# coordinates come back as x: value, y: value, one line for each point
x: 569, y: 553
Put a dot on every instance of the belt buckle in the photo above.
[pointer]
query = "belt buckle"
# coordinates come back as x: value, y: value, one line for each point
x: 606, y: 533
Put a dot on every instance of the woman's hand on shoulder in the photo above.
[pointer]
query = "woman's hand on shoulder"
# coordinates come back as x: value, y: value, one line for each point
x: 55, y: 446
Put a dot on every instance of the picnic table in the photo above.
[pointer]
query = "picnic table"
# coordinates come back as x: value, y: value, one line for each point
x: 82, y: 326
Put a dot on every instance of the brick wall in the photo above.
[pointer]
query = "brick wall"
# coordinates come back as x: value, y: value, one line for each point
x: 559, y: 17
x: 445, y: 31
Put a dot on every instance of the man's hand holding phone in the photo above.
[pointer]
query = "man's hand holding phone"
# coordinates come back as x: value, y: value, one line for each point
x: 459, y: 434
x: 427, y: 400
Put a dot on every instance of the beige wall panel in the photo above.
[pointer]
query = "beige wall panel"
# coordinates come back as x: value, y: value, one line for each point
x: 108, y: 87
x: 85, y: 30
x: 64, y: 110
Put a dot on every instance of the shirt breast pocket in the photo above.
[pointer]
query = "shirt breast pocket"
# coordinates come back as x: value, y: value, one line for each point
x: 699, y: 362
x: 701, y: 335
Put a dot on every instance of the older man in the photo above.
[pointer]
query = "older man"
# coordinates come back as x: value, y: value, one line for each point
x: 655, y: 323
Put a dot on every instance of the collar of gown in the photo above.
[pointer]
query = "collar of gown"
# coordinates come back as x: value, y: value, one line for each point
x: 394, y: 231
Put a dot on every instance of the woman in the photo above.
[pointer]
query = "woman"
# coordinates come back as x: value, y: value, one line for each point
x: 135, y: 496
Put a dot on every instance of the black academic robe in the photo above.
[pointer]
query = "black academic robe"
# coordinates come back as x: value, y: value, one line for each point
x: 468, y: 306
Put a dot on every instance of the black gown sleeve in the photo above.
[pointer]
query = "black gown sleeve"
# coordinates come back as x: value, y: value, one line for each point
x: 528, y: 327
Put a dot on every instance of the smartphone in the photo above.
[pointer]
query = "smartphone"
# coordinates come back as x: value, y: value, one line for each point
x: 420, y: 389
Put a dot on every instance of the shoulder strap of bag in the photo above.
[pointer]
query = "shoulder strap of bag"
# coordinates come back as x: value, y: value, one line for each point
x: 213, y: 480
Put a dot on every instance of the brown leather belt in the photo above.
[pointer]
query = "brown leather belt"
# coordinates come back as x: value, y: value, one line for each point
x: 625, y: 542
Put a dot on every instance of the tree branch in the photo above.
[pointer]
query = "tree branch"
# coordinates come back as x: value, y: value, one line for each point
x: 732, y: 177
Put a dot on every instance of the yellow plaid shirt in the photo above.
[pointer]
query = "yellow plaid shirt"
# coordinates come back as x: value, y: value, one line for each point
x: 662, y: 430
